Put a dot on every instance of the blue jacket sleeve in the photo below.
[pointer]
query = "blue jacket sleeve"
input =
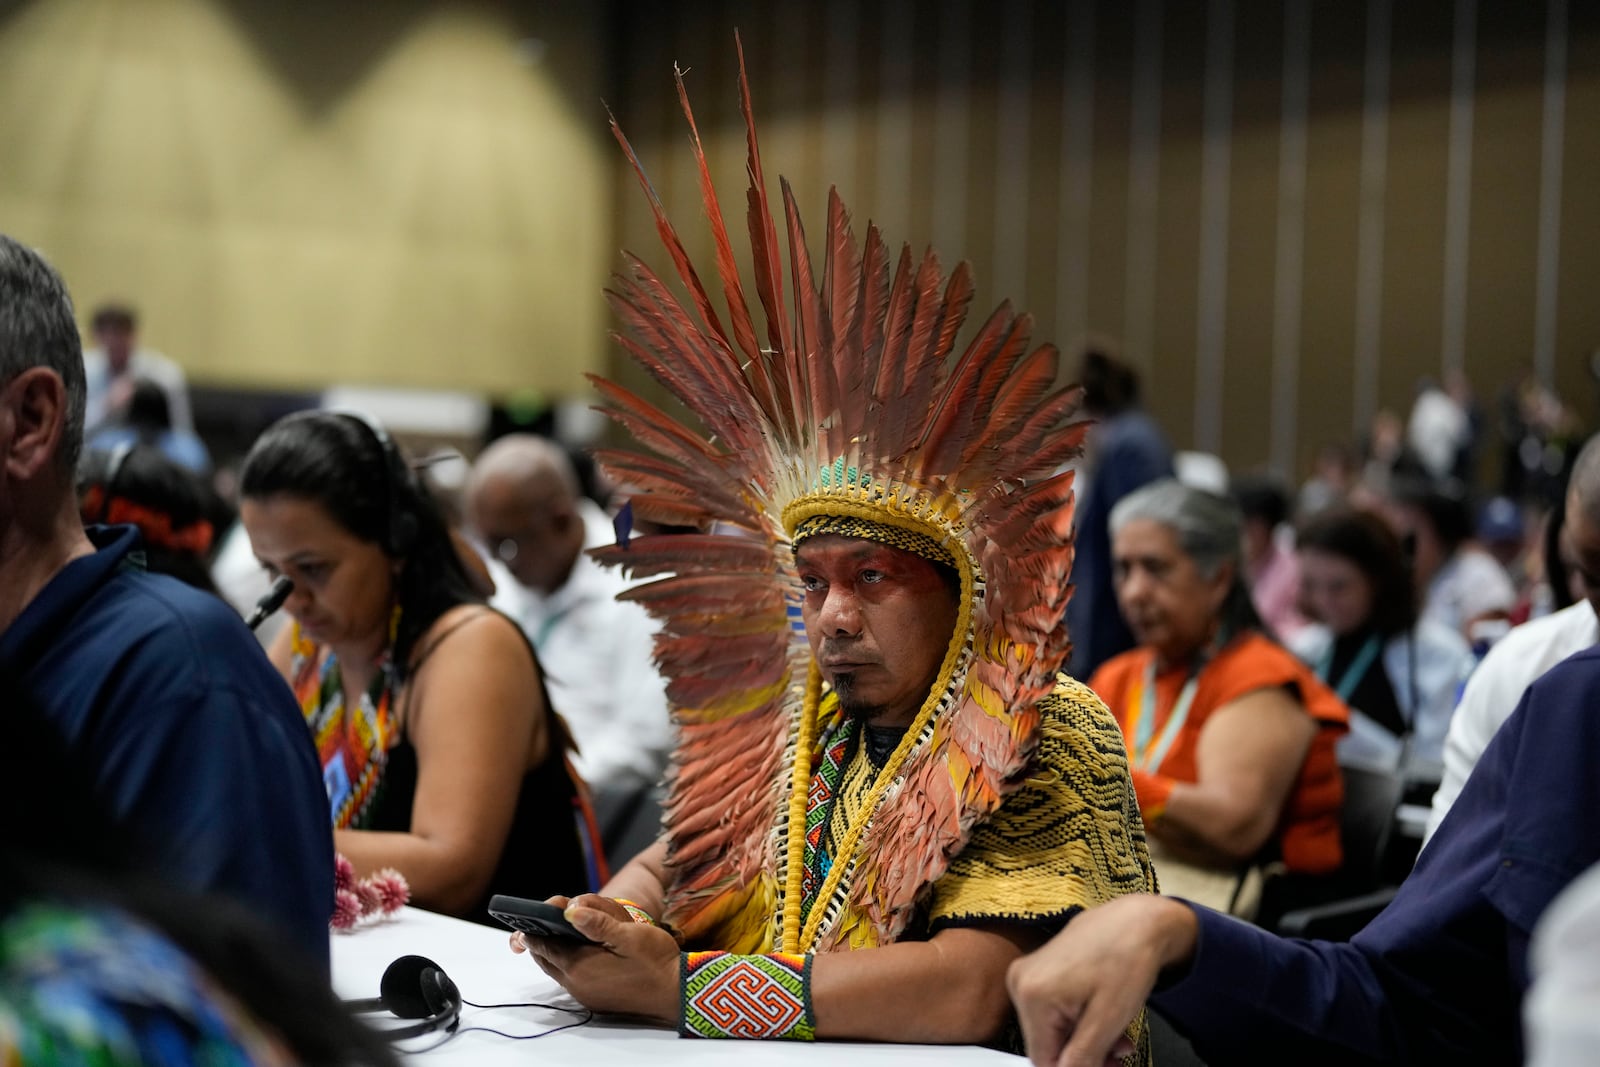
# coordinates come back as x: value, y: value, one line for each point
x: 1439, y: 976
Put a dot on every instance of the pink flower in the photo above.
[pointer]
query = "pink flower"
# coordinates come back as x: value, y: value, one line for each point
x: 344, y: 875
x: 371, y: 898
x: 346, y: 910
x: 359, y: 900
x: 391, y: 886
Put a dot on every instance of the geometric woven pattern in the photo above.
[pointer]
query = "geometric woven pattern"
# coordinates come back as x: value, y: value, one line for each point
x: 727, y: 995
x: 1070, y: 838
x: 881, y: 532
x: 819, y: 807
x: 352, y: 745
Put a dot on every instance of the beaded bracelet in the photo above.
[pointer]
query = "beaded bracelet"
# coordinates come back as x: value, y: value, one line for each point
x: 639, y: 915
x: 728, y: 995
x: 636, y: 913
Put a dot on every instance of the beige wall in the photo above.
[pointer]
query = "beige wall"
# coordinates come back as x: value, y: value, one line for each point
x: 298, y: 194
x: 1280, y: 270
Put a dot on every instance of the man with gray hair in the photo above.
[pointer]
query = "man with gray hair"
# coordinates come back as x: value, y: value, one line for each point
x: 1532, y: 648
x: 194, y: 744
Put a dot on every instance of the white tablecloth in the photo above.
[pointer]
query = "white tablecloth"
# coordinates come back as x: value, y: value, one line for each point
x: 478, y: 960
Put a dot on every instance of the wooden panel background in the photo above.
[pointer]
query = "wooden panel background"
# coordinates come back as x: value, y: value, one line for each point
x: 1280, y: 267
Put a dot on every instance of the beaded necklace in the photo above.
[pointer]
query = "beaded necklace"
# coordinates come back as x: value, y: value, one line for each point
x: 352, y: 744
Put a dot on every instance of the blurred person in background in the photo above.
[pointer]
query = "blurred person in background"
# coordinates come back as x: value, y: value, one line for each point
x: 1542, y: 437
x: 524, y: 504
x: 1269, y: 558
x: 1461, y: 585
x: 441, y: 757
x: 117, y: 361
x: 1230, y: 738
x: 1398, y: 673
x: 1502, y: 532
x: 1332, y: 478
x: 1514, y: 540
x: 136, y: 485
x: 1124, y: 450
x: 1439, y: 430
x: 148, y: 421
x: 1386, y: 454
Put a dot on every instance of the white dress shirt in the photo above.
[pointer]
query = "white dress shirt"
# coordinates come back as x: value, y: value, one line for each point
x: 597, y: 654
x: 1494, y: 689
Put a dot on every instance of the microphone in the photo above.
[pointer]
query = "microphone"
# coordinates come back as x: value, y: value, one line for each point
x: 414, y: 987
x: 271, y: 602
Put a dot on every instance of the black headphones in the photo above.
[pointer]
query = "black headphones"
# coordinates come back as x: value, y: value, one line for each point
x: 414, y: 987
x: 400, y: 487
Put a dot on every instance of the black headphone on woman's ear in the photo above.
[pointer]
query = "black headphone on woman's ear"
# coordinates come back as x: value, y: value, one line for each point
x: 401, y: 487
x: 115, y: 460
x: 414, y: 987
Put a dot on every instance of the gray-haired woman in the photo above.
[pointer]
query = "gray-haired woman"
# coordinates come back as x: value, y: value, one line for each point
x: 1230, y: 737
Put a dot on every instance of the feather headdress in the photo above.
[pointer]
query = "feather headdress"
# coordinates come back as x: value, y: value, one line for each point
x: 851, y: 401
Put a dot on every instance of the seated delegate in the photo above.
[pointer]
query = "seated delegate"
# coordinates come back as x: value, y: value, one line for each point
x: 1231, y: 739
x: 1398, y: 672
x: 138, y: 486
x: 863, y: 827
x: 440, y: 755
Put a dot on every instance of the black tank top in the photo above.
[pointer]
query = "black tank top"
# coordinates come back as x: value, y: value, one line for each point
x: 543, y: 854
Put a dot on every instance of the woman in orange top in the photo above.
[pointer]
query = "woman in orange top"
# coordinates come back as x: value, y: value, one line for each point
x: 1231, y: 739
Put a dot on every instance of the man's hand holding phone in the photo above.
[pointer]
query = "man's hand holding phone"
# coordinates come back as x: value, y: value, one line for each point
x: 615, y: 965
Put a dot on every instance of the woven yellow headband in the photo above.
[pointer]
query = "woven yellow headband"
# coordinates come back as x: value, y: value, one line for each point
x: 882, y: 533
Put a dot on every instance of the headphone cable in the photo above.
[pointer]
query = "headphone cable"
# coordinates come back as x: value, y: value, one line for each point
x: 588, y: 1017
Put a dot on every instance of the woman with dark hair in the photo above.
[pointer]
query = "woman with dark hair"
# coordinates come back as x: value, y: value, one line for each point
x: 1398, y: 673
x: 1230, y: 738
x: 441, y: 755
x: 138, y: 486
x: 102, y: 963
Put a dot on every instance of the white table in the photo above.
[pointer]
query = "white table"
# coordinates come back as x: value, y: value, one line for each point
x: 479, y: 961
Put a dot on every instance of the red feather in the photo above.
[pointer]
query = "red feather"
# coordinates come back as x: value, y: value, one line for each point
x: 669, y: 237
x: 727, y: 267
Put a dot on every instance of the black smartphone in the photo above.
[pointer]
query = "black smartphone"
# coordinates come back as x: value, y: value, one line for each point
x: 534, y: 918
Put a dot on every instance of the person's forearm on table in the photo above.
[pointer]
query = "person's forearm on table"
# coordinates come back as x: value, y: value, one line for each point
x: 948, y: 990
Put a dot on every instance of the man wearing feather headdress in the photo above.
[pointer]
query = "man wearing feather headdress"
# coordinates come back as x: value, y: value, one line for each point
x: 868, y: 823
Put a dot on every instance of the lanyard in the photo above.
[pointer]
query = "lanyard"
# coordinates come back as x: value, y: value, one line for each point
x: 1354, y: 673
x: 549, y: 624
x: 1144, y: 729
